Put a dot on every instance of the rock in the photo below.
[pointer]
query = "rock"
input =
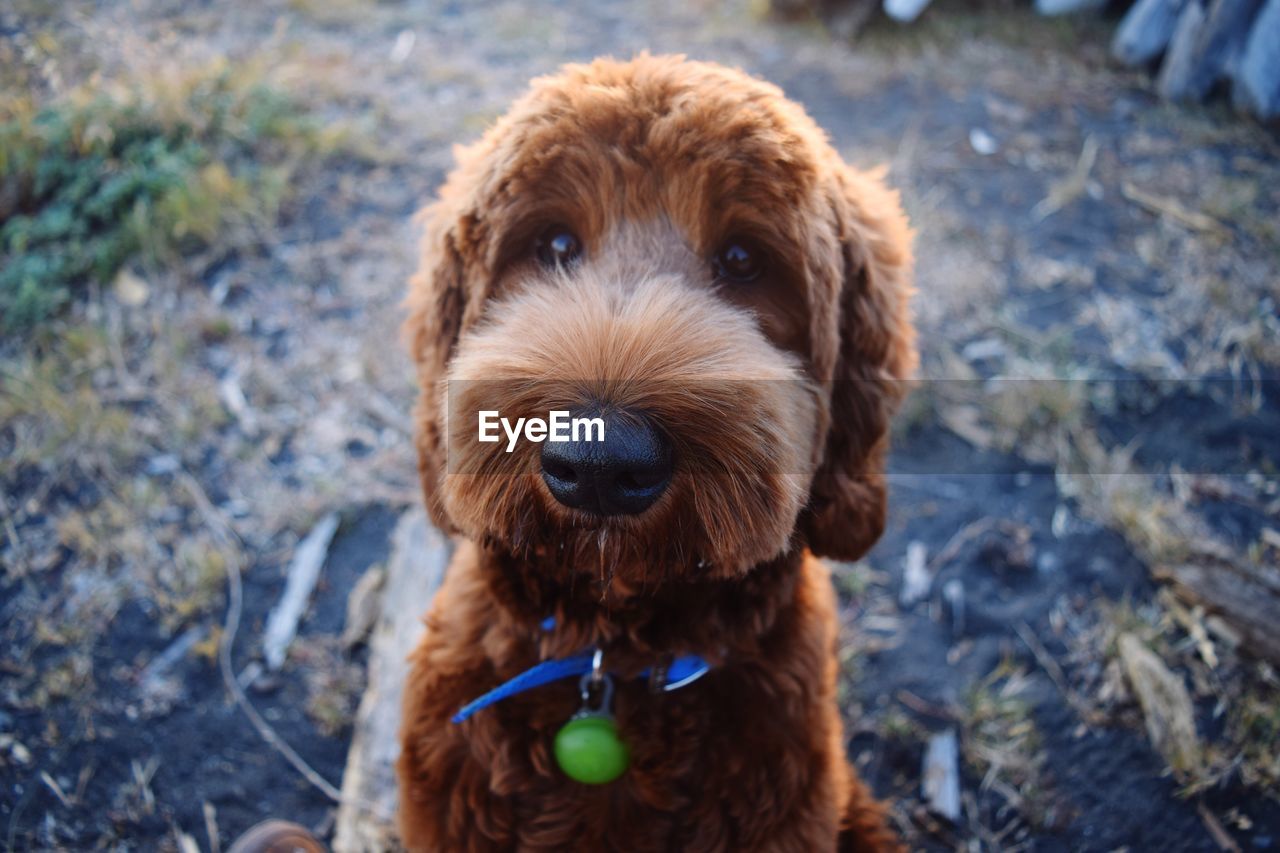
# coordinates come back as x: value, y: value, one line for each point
x: 131, y: 289
x: 1257, y: 77
x: 1166, y: 705
x: 403, y: 46
x: 984, y: 349
x: 904, y: 11
x: 1145, y: 31
x: 940, y: 785
x: 916, y: 578
x: 163, y: 464
x: 1205, y: 50
x: 982, y: 142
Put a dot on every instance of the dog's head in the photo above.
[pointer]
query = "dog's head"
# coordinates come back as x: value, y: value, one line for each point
x: 674, y: 248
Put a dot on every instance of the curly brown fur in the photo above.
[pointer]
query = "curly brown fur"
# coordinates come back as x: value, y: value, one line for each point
x: 776, y: 397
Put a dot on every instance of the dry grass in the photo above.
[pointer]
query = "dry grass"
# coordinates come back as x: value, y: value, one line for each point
x: 1001, y: 744
x: 334, y: 683
x: 1242, y: 735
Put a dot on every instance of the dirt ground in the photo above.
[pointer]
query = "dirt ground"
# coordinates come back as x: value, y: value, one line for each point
x: 1118, y: 253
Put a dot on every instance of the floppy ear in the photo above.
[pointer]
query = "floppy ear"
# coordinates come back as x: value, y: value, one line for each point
x: 873, y: 354
x: 446, y: 294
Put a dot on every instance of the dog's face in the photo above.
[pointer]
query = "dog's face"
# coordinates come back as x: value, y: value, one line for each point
x: 673, y: 248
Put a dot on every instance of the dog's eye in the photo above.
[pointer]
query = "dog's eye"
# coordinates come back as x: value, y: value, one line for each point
x: 558, y: 247
x: 737, y: 260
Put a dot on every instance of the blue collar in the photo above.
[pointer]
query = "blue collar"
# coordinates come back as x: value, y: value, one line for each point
x: 682, y: 671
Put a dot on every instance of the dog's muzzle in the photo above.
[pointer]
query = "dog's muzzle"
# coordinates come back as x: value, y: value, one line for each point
x: 622, y: 475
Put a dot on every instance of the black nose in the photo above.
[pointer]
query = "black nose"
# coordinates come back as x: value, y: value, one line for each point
x: 623, y: 474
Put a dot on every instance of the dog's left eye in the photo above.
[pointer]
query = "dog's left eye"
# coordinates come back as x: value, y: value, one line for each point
x: 737, y: 260
x: 558, y: 247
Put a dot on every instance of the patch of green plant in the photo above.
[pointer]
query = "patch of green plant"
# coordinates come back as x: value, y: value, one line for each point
x: 96, y: 180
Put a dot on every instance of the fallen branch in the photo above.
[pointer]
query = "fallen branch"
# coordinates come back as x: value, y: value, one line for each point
x: 1162, y: 206
x: 304, y: 572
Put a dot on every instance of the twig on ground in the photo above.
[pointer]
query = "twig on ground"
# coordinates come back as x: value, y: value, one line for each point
x: 1220, y: 836
x: 161, y: 664
x: 186, y: 843
x: 1162, y: 206
x: 924, y: 706
x: 1070, y: 188
x: 211, y: 827
x: 232, y: 394
x: 226, y: 539
x: 52, y: 785
x: 304, y: 573
x: 1090, y: 715
x: 962, y: 537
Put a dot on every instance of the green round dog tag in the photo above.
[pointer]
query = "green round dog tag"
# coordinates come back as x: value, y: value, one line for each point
x: 589, y: 750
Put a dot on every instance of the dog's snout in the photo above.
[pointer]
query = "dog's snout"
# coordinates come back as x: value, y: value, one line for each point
x: 622, y: 473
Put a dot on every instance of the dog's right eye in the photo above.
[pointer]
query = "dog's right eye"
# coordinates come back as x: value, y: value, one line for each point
x: 557, y: 247
x: 737, y: 261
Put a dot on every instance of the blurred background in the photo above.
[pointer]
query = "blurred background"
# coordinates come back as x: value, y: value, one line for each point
x: 1067, y: 637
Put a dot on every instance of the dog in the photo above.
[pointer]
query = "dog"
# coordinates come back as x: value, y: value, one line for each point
x: 674, y: 248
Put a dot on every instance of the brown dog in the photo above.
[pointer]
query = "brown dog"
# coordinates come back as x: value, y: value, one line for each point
x: 675, y: 248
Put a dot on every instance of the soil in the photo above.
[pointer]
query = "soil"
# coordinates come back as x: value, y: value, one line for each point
x: 1051, y: 277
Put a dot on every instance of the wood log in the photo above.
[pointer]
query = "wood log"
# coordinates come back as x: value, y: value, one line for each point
x: 1146, y: 30
x: 1067, y: 7
x: 1245, y: 595
x: 366, y: 817
x: 1256, y: 84
x: 1204, y: 47
x: 1179, y: 60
